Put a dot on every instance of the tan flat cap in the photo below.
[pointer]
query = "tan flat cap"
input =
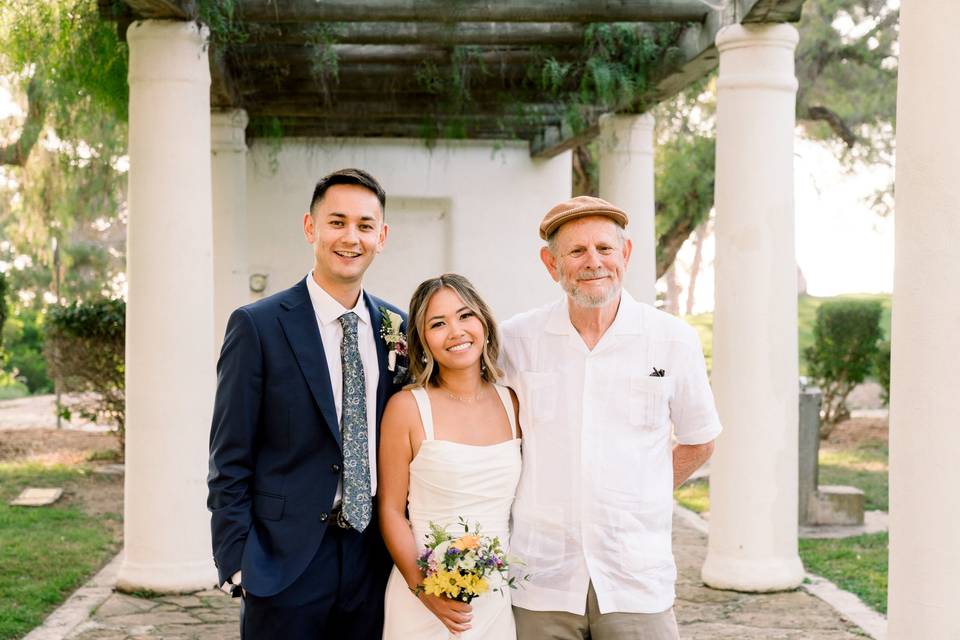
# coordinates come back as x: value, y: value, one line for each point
x: 577, y: 208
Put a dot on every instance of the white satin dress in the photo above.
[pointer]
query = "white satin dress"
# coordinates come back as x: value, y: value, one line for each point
x: 449, y: 480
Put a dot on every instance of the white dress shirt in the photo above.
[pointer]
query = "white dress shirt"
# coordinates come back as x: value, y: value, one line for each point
x: 328, y: 313
x: 595, y: 499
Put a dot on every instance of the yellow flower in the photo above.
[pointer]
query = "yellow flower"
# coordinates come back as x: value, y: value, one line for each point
x: 473, y: 584
x: 467, y: 542
x: 432, y: 585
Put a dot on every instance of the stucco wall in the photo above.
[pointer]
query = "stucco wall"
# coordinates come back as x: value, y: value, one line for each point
x: 468, y: 207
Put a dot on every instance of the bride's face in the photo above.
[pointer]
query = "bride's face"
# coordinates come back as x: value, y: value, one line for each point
x: 452, y: 331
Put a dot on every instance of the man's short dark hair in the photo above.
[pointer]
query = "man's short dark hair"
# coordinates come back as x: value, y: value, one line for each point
x: 348, y: 176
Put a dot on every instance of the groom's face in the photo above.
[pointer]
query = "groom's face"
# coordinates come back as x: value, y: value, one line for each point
x: 346, y: 230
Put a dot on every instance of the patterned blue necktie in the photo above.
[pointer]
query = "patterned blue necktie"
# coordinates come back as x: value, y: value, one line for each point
x: 357, y: 505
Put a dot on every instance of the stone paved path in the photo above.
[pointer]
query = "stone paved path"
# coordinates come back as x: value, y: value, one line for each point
x: 703, y: 614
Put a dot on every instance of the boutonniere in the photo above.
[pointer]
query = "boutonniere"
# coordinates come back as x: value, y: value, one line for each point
x: 396, y: 341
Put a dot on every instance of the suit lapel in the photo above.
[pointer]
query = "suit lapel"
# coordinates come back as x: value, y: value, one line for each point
x: 386, y: 377
x: 299, y: 323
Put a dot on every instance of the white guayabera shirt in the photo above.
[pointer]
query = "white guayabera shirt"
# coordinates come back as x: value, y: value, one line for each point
x: 595, y: 499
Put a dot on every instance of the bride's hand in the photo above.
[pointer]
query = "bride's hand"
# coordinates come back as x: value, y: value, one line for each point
x: 454, y: 615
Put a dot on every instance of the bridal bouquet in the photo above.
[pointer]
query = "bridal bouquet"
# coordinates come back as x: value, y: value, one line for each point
x: 458, y: 566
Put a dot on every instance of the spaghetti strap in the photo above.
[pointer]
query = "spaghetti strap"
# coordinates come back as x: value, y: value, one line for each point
x: 504, y: 393
x: 426, y: 413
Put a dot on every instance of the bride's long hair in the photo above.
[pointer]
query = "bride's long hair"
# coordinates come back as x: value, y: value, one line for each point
x: 423, y: 367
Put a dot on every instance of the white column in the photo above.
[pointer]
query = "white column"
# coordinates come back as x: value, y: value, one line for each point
x: 626, y: 180
x: 229, y: 167
x: 753, y: 475
x: 169, y: 373
x: 924, y: 439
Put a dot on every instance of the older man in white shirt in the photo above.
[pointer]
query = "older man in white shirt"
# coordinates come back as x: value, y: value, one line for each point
x: 606, y: 384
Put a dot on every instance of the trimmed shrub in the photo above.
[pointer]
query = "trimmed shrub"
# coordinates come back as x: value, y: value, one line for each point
x: 844, y: 350
x: 881, y: 365
x: 84, y: 350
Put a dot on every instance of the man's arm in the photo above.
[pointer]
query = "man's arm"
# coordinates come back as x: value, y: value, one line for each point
x: 687, y: 458
x: 232, y: 434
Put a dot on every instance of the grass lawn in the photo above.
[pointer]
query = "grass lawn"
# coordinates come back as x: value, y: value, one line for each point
x: 694, y: 495
x: 806, y: 314
x: 857, y: 565
x: 47, y: 552
x: 864, y: 468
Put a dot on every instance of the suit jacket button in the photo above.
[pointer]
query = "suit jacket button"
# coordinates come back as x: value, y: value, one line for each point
x: 324, y: 516
x: 335, y: 467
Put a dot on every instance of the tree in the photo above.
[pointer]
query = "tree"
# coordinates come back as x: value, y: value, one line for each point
x: 63, y: 182
x: 846, y: 64
x: 71, y: 69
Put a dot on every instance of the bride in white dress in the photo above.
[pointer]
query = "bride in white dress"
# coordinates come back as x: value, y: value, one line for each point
x: 449, y: 448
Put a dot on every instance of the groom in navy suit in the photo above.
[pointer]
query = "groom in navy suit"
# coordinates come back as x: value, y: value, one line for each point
x: 302, y: 381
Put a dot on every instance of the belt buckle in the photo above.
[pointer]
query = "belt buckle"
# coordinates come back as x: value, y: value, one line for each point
x: 339, y: 519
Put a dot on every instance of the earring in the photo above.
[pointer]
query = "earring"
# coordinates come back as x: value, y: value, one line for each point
x: 423, y: 359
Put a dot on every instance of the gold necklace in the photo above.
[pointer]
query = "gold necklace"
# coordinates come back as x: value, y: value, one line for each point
x: 465, y: 399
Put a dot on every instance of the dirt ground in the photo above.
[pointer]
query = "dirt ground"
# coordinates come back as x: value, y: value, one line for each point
x: 858, y: 432
x: 54, y: 446
x: 99, y: 491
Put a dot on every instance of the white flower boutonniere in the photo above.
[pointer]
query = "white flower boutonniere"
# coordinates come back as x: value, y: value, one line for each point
x: 390, y: 332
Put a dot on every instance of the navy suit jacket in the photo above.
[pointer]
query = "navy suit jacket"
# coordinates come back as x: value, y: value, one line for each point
x: 275, y: 451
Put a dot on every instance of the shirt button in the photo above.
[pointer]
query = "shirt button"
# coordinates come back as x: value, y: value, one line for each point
x: 335, y: 467
x: 324, y: 516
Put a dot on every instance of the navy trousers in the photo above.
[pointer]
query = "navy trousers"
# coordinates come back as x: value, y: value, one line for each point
x: 339, y: 595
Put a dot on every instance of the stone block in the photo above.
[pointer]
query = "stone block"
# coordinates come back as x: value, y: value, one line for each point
x: 809, y: 436
x: 836, y: 504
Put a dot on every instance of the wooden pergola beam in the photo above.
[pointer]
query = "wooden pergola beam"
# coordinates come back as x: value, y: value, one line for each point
x: 757, y: 11
x: 470, y: 11
x: 317, y: 107
x: 224, y: 89
x: 375, y: 76
x: 388, y: 129
x: 699, y: 57
x: 437, y: 34
x: 308, y: 92
x: 348, y: 54
x: 171, y: 9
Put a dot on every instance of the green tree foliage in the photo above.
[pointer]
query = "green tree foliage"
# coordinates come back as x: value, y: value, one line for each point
x: 845, y: 337
x: 85, y: 353
x: 23, y: 339
x: 62, y: 174
x: 846, y: 65
x: 71, y: 68
x: 847, y: 71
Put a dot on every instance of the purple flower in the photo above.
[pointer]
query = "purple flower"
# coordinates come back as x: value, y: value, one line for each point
x: 452, y: 551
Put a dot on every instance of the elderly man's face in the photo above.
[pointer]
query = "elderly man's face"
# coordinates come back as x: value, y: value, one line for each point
x: 588, y: 259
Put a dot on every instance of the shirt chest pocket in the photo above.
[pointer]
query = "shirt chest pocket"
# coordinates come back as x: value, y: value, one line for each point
x: 649, y: 401
x: 539, y: 401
